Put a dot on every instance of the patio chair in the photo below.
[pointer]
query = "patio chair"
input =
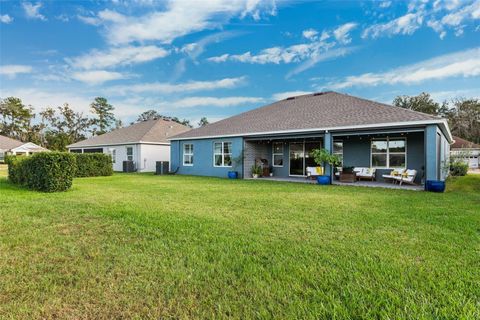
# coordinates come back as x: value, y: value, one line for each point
x: 313, y: 172
x: 365, y: 173
x: 407, y: 177
x: 393, y: 175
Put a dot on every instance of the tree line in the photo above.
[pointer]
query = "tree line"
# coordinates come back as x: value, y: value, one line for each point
x: 463, y: 114
x: 55, y: 128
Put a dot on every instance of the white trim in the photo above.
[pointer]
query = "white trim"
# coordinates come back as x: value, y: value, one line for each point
x: 387, y: 139
x: 126, y: 153
x: 222, y: 154
x: 116, y: 144
x: 187, y: 154
x: 277, y: 154
x: 363, y: 126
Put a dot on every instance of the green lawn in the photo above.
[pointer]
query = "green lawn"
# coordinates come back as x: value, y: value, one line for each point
x: 144, y: 246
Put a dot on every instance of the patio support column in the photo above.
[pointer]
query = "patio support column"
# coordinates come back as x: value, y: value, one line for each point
x: 431, y: 152
x: 328, y: 146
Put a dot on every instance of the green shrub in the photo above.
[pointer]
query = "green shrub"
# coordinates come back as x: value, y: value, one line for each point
x: 458, y: 168
x: 44, y: 171
x: 93, y: 164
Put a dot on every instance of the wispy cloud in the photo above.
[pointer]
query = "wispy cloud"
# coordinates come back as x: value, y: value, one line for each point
x: 405, y: 25
x: 113, y: 57
x: 191, y: 86
x: 32, y: 11
x: 97, y: 76
x: 12, y: 70
x: 342, y: 32
x: 5, y: 18
x: 222, y: 102
x: 180, y: 18
x: 459, y: 64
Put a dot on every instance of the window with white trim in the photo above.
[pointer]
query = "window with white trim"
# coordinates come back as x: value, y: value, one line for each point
x: 130, y: 153
x: 389, y: 153
x: 277, y: 154
x: 222, y: 154
x: 338, y: 150
x: 114, y: 155
x: 188, y: 154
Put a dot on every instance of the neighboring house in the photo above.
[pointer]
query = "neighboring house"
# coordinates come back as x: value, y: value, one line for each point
x: 16, y: 147
x: 144, y: 143
x: 363, y: 132
x: 466, y: 150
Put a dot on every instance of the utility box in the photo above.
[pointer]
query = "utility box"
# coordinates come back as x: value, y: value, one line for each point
x: 162, y: 167
x: 128, y: 166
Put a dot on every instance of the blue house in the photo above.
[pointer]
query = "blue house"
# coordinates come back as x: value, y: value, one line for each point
x: 283, y: 134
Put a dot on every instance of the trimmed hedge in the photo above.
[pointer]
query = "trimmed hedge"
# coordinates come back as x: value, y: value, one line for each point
x: 93, y: 164
x: 44, y: 171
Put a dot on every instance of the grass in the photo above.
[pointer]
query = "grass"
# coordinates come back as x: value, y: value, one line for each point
x: 144, y: 246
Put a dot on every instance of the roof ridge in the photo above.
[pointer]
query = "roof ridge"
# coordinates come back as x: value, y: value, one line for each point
x: 155, y: 122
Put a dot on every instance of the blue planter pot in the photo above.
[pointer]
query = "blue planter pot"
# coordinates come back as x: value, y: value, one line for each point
x: 323, y: 180
x: 435, y: 186
x: 232, y: 174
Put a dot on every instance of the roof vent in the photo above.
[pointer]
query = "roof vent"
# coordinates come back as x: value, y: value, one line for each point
x: 290, y: 98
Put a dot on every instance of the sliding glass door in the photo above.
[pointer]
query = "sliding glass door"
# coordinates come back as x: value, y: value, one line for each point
x: 301, y: 157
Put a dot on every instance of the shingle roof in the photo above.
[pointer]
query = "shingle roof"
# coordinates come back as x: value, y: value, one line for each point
x: 7, y: 143
x: 311, y: 111
x: 462, y: 143
x: 157, y: 131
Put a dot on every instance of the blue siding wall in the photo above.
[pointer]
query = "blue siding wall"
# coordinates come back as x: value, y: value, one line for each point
x: 203, y: 157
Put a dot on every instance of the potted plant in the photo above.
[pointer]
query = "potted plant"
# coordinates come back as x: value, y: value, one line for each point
x: 233, y: 174
x: 256, y: 171
x: 322, y: 157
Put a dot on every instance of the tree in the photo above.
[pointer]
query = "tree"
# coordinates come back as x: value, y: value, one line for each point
x: 464, y: 119
x: 203, y: 122
x: 105, y: 118
x: 149, y: 115
x: 16, y: 118
x: 185, y: 122
x: 65, y: 128
x: 421, y: 103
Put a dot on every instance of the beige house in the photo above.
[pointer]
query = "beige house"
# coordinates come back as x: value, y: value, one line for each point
x: 467, y: 150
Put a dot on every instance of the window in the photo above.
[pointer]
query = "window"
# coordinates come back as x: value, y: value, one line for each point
x: 114, y: 155
x: 338, y: 150
x: 188, y: 154
x: 130, y: 153
x: 222, y: 154
x: 277, y: 151
x: 389, y: 153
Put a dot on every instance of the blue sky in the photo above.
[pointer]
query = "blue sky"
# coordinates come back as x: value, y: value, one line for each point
x: 219, y: 58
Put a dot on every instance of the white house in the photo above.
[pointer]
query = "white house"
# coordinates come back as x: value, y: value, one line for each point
x: 144, y: 143
x: 468, y: 151
x: 16, y: 147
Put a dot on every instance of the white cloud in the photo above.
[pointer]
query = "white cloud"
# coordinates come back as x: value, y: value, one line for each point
x: 96, y: 59
x: 158, y: 87
x: 5, y: 18
x: 32, y: 11
x: 310, y: 34
x: 191, y: 102
x: 405, y: 25
x: 180, y: 18
x: 12, y: 70
x: 452, y: 94
x: 97, y: 76
x: 276, y: 55
x: 319, y: 57
x: 341, y: 33
x: 284, y: 95
x: 459, y: 64
x: 385, y: 4
x: 89, y: 20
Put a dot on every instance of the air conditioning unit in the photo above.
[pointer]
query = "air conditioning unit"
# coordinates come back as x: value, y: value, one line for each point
x: 162, y: 167
x: 128, y: 166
